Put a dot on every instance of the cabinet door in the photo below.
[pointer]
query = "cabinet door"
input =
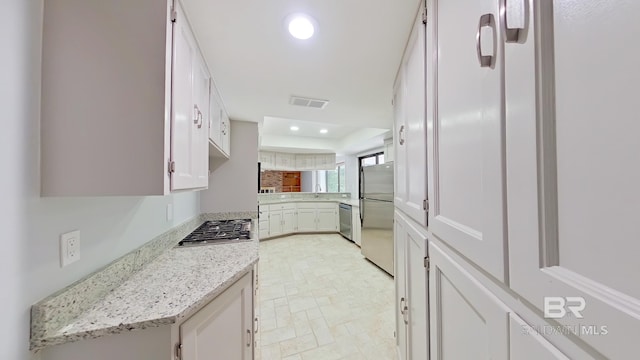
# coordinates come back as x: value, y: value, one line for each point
x: 275, y: 222
x: 400, y: 281
x: 416, y: 292
x: 466, y: 320
x: 267, y: 160
x: 288, y: 221
x: 306, y: 220
x: 225, y: 133
x: 467, y: 125
x: 305, y: 162
x: 200, y: 128
x: 222, y: 329
x: 572, y: 169
x: 215, y: 120
x: 185, y: 52
x: 525, y: 343
x: 327, y: 220
x: 411, y: 130
x: 263, y: 221
x: 284, y: 161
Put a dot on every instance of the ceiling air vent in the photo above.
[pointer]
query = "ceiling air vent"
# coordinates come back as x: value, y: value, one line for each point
x: 307, y: 102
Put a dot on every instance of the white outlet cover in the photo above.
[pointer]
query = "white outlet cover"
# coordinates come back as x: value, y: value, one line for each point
x: 69, y: 248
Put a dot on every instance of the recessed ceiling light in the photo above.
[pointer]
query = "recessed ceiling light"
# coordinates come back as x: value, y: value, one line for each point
x: 294, y: 128
x: 324, y: 131
x: 300, y: 26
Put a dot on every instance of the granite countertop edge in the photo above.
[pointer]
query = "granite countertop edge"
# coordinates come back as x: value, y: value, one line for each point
x: 58, y: 339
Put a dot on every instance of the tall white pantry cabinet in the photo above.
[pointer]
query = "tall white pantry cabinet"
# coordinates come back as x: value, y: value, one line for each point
x: 125, y: 100
x: 532, y: 180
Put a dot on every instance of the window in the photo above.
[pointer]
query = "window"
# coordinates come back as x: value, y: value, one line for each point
x: 373, y: 159
x: 335, y: 179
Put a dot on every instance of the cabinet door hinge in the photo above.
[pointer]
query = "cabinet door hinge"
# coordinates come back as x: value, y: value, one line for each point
x: 178, y: 351
x: 172, y: 167
x: 424, y: 14
x: 425, y: 205
x: 174, y: 14
x: 426, y: 263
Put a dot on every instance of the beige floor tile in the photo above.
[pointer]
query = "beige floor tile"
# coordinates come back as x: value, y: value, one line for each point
x: 322, y: 300
x: 298, y: 345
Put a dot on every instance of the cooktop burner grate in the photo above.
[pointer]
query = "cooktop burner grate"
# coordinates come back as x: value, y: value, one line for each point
x: 219, y: 231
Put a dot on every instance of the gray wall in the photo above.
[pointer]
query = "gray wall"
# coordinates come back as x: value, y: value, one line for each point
x: 233, y: 184
x: 31, y: 225
x: 306, y: 181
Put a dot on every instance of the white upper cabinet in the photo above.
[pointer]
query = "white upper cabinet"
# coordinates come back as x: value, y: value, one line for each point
x: 107, y: 125
x: 305, y: 162
x: 466, y: 153
x: 267, y: 160
x: 572, y: 167
x: 285, y: 161
x: 190, y: 110
x: 219, y: 130
x: 409, y: 140
x: 219, y: 126
x: 298, y: 162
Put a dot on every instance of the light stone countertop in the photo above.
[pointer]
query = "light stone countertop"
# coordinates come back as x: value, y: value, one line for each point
x: 170, y: 288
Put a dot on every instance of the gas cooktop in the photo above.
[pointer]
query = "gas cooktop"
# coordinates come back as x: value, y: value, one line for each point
x: 219, y: 231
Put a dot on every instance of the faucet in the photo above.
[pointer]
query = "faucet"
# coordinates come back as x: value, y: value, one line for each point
x: 318, y: 189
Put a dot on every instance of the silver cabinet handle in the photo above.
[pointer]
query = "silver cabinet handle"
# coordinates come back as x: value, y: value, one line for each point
x: 486, y: 20
x: 248, y: 338
x: 256, y: 327
x: 197, y: 116
x: 516, y: 19
x: 404, y: 310
x: 401, y: 135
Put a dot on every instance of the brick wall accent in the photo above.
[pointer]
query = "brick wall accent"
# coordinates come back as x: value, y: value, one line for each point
x: 271, y: 179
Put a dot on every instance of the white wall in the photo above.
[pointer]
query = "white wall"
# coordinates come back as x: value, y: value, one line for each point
x: 307, y: 180
x: 31, y: 225
x: 233, y: 185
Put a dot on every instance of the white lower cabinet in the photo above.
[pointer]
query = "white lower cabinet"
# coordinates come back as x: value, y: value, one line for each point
x: 306, y: 219
x: 411, y: 289
x: 327, y: 219
x: 467, y: 321
x: 263, y: 222
x: 222, y: 329
x: 281, y: 219
x: 289, y: 218
x: 314, y: 216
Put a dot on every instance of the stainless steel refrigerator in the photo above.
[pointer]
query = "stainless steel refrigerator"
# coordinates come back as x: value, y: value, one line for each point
x: 376, y: 214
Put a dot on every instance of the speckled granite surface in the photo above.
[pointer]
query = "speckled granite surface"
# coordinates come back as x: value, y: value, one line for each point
x: 151, y: 286
x: 231, y: 215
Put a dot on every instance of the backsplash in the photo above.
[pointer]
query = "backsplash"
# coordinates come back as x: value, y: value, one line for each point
x: 303, y: 196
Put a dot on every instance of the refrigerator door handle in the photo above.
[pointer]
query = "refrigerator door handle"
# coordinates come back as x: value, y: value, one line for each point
x: 361, y: 195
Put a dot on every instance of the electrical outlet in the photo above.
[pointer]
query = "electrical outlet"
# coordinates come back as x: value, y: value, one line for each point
x: 69, y: 248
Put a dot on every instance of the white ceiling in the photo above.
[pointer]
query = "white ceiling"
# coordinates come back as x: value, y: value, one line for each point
x: 350, y: 61
x: 311, y: 129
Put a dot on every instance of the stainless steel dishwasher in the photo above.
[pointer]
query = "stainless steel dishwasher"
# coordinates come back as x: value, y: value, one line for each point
x: 345, y: 221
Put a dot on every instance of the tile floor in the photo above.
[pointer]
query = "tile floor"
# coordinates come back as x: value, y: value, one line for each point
x: 320, y: 299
